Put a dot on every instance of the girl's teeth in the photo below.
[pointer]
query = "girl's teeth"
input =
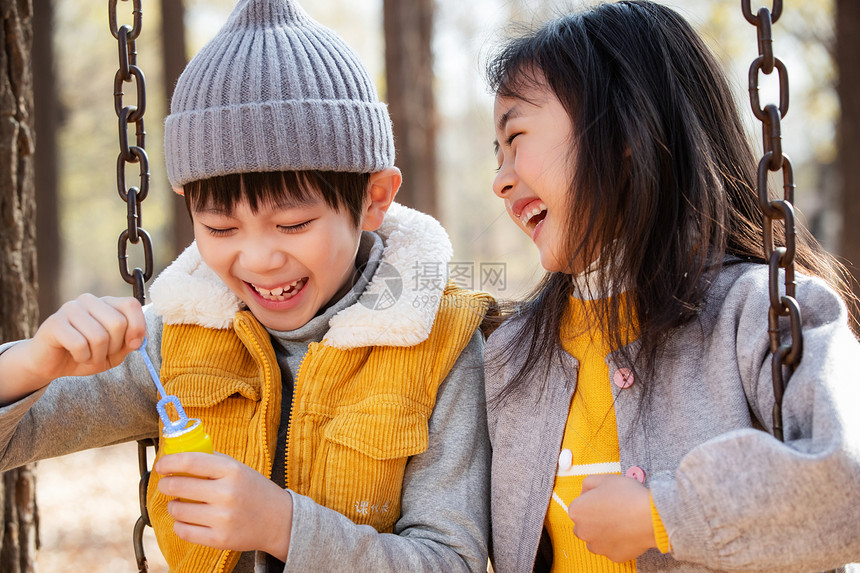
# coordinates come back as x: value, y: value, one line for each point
x: 526, y: 217
x: 277, y: 291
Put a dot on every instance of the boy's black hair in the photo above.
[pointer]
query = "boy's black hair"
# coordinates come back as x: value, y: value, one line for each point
x: 664, y: 178
x: 340, y: 190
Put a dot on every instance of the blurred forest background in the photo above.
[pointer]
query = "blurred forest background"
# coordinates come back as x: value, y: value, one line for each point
x: 91, y: 214
x: 432, y: 76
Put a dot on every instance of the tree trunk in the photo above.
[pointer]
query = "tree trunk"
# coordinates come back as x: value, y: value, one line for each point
x: 847, y: 48
x: 47, y: 118
x: 175, y: 59
x: 409, y: 78
x: 19, y: 311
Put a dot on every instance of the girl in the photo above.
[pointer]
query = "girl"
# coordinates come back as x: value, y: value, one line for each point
x: 628, y: 395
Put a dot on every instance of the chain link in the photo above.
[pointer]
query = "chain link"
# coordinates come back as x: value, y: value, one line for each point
x: 127, y: 114
x: 787, y: 355
x: 128, y: 72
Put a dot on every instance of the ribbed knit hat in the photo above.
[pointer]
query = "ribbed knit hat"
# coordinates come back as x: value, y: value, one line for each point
x: 275, y: 90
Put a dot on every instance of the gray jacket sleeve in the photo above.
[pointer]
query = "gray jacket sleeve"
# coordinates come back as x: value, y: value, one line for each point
x: 444, y: 523
x: 82, y: 412
x: 744, y: 500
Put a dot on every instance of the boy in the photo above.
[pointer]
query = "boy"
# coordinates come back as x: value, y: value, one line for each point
x: 288, y: 328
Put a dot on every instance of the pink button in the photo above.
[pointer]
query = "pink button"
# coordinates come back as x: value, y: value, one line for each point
x: 623, y: 378
x: 636, y: 473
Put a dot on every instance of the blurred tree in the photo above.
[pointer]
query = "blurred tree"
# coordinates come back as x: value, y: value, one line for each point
x: 47, y: 118
x: 174, y: 58
x: 409, y: 80
x: 847, y: 49
x: 19, y: 312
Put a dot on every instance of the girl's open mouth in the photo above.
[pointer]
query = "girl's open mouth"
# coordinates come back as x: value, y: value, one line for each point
x: 531, y: 218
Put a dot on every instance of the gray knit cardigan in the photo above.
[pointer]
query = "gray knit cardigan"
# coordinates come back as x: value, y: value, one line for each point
x: 731, y: 496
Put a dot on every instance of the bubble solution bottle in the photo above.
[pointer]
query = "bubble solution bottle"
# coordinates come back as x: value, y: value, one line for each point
x: 191, y: 438
x: 183, y: 434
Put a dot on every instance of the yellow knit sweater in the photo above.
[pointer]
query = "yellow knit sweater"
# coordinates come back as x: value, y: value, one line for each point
x: 590, y: 443
x: 357, y: 414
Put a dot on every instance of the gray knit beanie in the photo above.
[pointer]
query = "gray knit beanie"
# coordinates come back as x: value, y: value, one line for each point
x: 275, y: 91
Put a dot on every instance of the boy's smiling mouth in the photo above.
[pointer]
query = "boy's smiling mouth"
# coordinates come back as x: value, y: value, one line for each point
x: 280, y: 293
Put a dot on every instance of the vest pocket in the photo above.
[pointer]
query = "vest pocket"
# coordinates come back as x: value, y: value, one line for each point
x: 364, y: 453
x: 206, y: 391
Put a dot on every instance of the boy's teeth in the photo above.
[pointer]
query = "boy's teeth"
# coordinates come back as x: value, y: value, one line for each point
x: 278, y: 293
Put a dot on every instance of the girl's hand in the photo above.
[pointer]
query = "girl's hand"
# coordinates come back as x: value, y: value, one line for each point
x: 239, y: 509
x: 85, y: 336
x: 612, y: 516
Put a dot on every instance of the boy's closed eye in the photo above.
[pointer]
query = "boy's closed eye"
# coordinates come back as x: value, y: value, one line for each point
x: 218, y: 232
x: 295, y: 228
x: 224, y: 231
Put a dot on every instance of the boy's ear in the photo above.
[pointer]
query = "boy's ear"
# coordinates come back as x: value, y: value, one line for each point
x: 383, y: 187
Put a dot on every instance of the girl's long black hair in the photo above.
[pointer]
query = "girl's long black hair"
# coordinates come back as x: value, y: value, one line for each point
x: 664, y: 178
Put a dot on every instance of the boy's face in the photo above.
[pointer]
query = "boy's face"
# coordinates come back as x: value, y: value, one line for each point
x: 285, y: 263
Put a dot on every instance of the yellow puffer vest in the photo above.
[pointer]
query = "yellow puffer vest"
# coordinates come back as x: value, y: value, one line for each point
x: 357, y: 414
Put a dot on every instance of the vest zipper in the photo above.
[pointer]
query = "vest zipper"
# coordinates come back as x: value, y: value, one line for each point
x: 292, y: 413
x: 265, y: 406
x: 222, y: 562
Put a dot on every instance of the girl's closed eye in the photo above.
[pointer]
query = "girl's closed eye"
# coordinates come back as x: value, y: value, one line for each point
x: 508, y: 143
x: 500, y: 159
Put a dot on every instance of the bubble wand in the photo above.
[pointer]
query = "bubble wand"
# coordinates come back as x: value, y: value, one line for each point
x: 183, y: 434
x: 170, y: 426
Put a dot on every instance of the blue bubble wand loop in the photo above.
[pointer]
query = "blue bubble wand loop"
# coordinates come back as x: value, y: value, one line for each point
x: 170, y: 426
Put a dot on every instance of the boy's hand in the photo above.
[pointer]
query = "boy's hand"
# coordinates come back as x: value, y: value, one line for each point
x: 239, y: 508
x: 85, y: 336
x: 612, y: 516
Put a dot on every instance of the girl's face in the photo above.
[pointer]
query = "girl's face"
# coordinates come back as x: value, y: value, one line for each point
x: 284, y: 263
x: 533, y: 149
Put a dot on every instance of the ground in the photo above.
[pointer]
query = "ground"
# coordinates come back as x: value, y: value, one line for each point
x: 87, y: 509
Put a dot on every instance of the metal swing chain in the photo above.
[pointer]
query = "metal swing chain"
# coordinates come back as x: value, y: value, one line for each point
x: 786, y: 357
x: 133, y: 196
x: 128, y: 114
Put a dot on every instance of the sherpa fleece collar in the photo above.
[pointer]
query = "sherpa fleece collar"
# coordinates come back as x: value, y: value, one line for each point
x: 189, y: 292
